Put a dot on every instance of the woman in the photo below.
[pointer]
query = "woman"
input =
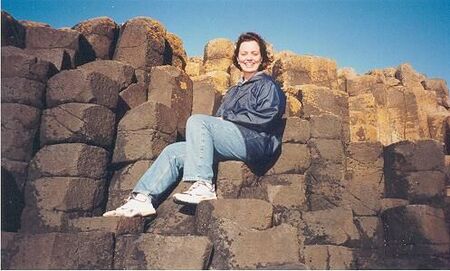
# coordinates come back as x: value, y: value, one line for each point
x: 245, y: 128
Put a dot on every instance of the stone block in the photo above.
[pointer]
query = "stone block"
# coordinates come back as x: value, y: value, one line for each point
x: 17, y: 171
x: 291, y: 196
x: 101, y: 33
x: 69, y: 160
x: 172, y: 87
x: 12, y: 201
x: 78, y: 123
x: 326, y: 126
x: 152, y: 251
x: 132, y: 96
x: 299, y: 70
x: 415, y: 156
x: 318, y: 100
x: 371, y: 231
x: 23, y: 91
x: 240, y: 248
x: 324, y: 257
x: 194, y: 66
x: 62, y: 58
x: 123, y: 182
x: 116, y: 225
x: 206, y: 95
x: 326, y: 150
x: 248, y: 213
x: 141, y: 43
x: 19, y: 127
x: 408, y: 76
x: 121, y: 73
x: 80, y: 86
x: 17, y: 63
x: 329, y: 227
x: 416, y: 230
x: 92, y: 250
x: 218, y: 55
x: 363, y: 155
x: 294, y: 158
x: 297, y: 130
x: 364, y: 84
x: 173, y: 218
x: 231, y: 177
x: 365, y: 119
x: 179, y: 56
x: 144, y: 132
x: 13, y: 32
x: 387, y: 203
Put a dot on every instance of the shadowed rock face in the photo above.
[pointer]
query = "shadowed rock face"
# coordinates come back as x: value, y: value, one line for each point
x: 361, y: 182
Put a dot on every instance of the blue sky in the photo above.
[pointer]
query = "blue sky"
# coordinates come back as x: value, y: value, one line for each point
x: 363, y: 34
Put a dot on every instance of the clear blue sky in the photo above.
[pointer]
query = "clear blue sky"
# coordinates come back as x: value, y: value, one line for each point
x: 363, y: 34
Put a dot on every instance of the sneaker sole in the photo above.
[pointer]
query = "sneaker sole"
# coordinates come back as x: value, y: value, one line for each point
x: 187, y: 202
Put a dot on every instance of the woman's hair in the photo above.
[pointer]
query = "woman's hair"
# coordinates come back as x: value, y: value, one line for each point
x: 249, y: 36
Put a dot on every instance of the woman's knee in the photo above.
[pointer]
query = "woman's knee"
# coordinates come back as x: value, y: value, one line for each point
x: 174, y: 149
x: 197, y: 119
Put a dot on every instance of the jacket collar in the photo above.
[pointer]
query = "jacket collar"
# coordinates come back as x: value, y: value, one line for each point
x: 257, y: 76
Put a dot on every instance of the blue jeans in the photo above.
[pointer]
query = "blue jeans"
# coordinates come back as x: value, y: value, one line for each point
x: 208, y: 140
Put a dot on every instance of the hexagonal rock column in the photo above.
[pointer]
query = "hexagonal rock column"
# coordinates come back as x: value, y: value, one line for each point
x: 328, y: 257
x: 172, y: 87
x: 24, y: 78
x: 415, y: 171
x: 64, y: 181
x: 206, y: 95
x: 152, y: 251
x: 416, y: 230
x: 179, y: 56
x: 101, y: 33
x: 232, y: 178
x: 141, y: 43
x: 13, y: 32
x: 65, y: 48
x: 300, y: 70
x: 218, y: 55
x: 116, y: 225
x: 93, y: 250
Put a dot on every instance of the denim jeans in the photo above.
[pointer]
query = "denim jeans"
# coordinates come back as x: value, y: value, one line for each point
x: 208, y: 140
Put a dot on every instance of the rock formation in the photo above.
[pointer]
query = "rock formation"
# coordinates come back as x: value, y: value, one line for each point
x: 362, y: 181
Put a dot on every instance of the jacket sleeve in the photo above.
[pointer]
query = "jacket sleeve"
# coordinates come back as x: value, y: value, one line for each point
x: 262, y: 111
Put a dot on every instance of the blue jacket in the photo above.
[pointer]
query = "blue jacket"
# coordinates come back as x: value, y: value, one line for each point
x: 256, y: 106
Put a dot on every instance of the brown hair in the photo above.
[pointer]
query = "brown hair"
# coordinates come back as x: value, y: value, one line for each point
x: 249, y: 36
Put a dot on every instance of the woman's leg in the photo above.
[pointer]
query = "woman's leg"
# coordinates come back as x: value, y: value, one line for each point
x: 210, y: 139
x: 164, y: 172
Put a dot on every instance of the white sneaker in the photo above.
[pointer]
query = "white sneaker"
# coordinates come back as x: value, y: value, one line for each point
x: 137, y: 205
x: 198, y: 192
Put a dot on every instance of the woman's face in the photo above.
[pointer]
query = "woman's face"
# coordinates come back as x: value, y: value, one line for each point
x: 249, y: 57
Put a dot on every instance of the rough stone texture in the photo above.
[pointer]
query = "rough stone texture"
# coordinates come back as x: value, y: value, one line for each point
x: 437, y: 124
x: 82, y: 87
x: 11, y: 195
x: 344, y: 75
x: 173, y: 218
x: 133, y: 96
x: 51, y: 201
x: 19, y: 128
x: 324, y: 257
x: 152, y: 251
x: 293, y: 106
x: 116, y: 225
x: 78, y: 123
x: 172, y: 87
x: 144, y: 132
x: 326, y: 126
x: 288, y: 196
x: 218, y: 55
x: 237, y: 247
x: 408, y: 76
x: 439, y: 86
x: 141, y: 43
x: 63, y: 59
x: 23, y: 91
x: 416, y: 230
x: 101, y: 33
x: 17, y: 63
x: 415, y: 171
x: 294, y: 158
x: 93, y: 250
x: 206, y: 95
x: 123, y: 182
x: 121, y: 73
x: 387, y: 203
x: 179, y: 56
x: 231, y: 177
x: 299, y: 70
x: 329, y: 227
x: 17, y: 171
x: 364, y: 118
x: 248, y: 213
x: 371, y: 231
x: 13, y: 32
x: 317, y: 100
x: 194, y: 66
x: 69, y: 160
x: 297, y: 130
x: 46, y: 39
